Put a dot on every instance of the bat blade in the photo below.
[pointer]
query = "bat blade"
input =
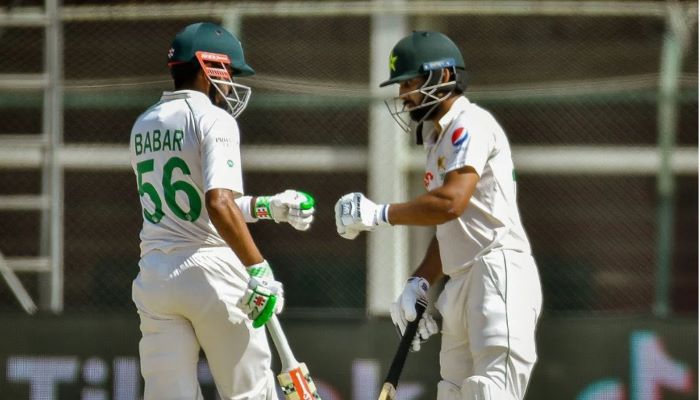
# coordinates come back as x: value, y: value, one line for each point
x: 392, y: 378
x: 295, y: 380
x: 388, y: 392
x: 297, y: 384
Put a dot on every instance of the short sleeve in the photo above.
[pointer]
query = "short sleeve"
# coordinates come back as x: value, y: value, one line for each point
x: 221, y: 155
x: 471, y: 147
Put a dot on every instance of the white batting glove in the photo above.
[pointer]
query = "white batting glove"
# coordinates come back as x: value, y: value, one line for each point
x: 291, y: 206
x: 264, y: 296
x: 403, y: 311
x: 355, y: 213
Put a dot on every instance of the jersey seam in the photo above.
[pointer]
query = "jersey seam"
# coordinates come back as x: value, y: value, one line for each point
x: 196, y: 122
x: 507, y: 360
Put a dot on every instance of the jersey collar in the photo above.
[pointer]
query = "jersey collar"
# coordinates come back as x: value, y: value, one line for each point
x: 185, y: 95
x: 430, y: 136
x: 458, y: 106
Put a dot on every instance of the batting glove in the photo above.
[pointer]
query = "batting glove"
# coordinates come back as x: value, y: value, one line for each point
x: 403, y: 311
x: 355, y: 213
x: 264, y: 296
x: 291, y: 206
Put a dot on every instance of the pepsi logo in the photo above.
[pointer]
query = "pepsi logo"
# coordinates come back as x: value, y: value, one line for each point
x: 459, y: 136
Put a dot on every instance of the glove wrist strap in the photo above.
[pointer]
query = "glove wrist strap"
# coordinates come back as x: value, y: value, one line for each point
x: 382, y: 215
x: 244, y: 203
x: 262, y: 207
x: 260, y: 269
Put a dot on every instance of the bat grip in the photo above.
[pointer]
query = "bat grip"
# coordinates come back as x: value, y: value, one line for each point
x: 401, y: 353
x: 280, y: 340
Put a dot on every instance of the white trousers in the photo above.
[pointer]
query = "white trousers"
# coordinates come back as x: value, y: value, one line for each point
x: 490, y: 313
x: 187, y: 300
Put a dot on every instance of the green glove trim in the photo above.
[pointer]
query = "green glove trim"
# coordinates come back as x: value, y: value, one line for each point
x: 309, y: 203
x: 266, y: 313
x: 262, y: 207
x: 258, y: 271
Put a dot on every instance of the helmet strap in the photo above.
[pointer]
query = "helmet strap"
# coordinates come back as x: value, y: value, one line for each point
x: 419, y: 134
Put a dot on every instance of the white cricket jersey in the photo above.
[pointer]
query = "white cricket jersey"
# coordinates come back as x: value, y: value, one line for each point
x: 470, y: 136
x: 180, y: 148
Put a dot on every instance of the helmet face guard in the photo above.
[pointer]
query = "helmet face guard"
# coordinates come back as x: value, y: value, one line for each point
x: 216, y: 68
x: 434, y: 92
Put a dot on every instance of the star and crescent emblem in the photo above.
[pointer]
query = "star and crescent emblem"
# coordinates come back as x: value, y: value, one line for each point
x: 392, y: 61
x: 441, y: 163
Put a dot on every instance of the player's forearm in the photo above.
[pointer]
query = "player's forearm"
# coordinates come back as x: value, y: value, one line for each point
x: 229, y: 222
x: 430, y: 268
x: 433, y: 208
x: 441, y: 204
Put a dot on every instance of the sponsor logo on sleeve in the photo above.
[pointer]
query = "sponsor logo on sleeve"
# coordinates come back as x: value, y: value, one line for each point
x: 427, y: 178
x: 459, y: 136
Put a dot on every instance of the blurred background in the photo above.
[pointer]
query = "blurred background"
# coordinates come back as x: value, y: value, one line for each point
x: 600, y: 103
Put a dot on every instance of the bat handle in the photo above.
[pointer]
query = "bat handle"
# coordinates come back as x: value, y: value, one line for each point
x: 408, y: 335
x: 285, y: 352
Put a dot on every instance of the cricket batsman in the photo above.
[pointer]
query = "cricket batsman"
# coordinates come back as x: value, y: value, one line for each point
x: 492, y: 301
x: 203, y: 283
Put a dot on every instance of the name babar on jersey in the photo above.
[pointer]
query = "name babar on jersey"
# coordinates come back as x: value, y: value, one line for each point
x: 158, y: 140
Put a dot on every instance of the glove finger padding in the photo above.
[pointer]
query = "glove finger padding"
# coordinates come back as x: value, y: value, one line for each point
x: 348, y: 209
x: 294, y: 207
x: 300, y: 219
x: 264, y: 296
x: 397, y: 318
x: 259, y: 301
x: 278, y: 290
x: 426, y: 328
x: 403, y: 311
x: 358, y: 212
x: 348, y: 233
x: 297, y: 212
x: 342, y: 229
x: 415, y: 344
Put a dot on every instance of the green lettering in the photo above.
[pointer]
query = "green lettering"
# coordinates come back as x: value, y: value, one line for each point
x: 138, y: 145
x: 147, y: 143
x: 156, y: 139
x: 166, y: 141
x: 177, y: 139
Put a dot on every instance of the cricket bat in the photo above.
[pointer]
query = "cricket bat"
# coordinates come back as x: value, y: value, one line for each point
x: 295, y: 381
x: 392, y: 378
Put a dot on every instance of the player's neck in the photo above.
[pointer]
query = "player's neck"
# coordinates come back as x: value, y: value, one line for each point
x: 200, y: 84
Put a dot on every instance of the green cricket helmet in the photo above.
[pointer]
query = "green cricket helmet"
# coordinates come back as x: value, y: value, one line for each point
x: 211, y: 38
x: 421, y: 52
x: 215, y: 50
x: 430, y: 55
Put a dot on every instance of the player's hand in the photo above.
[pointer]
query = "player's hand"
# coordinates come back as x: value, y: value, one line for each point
x: 264, y: 296
x: 291, y: 206
x: 355, y: 213
x: 403, y: 311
